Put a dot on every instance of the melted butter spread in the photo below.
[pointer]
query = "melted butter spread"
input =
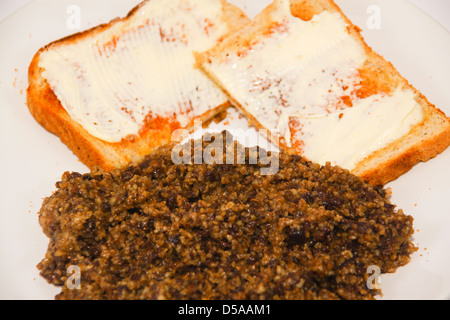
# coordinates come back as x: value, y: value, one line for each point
x: 142, y: 67
x: 347, y: 137
x: 299, y: 73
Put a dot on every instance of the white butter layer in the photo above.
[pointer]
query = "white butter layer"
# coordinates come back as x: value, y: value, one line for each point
x: 347, y: 137
x: 142, y: 67
x: 303, y: 69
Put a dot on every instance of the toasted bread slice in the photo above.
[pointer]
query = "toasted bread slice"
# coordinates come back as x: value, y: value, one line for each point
x: 117, y: 91
x: 303, y: 71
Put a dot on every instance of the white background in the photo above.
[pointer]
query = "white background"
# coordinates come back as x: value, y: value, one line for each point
x: 438, y: 9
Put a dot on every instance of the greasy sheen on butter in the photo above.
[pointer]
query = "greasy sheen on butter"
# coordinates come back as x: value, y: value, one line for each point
x: 347, y: 137
x: 141, y: 67
x: 298, y: 74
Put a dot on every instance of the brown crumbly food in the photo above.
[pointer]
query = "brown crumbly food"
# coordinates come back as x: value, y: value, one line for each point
x: 163, y: 231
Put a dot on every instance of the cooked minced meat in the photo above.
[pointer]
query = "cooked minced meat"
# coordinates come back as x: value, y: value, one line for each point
x: 218, y: 231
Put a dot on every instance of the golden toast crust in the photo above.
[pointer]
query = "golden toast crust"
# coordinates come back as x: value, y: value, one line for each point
x: 48, y: 111
x: 424, y: 142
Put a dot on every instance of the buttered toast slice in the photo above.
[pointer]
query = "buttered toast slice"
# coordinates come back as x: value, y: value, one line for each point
x: 117, y: 91
x: 302, y: 71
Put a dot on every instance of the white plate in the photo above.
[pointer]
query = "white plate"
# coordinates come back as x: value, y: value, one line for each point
x: 33, y: 160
